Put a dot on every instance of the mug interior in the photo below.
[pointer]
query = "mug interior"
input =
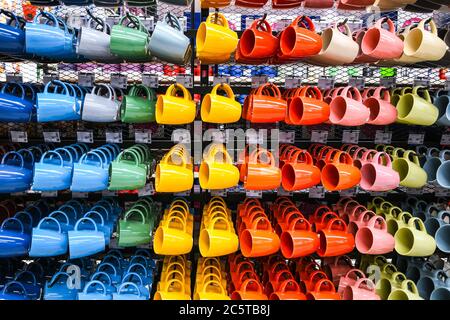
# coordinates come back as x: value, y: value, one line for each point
x: 440, y: 294
x: 443, y: 238
x: 370, y: 41
x: 425, y: 287
x: 369, y: 175
x: 330, y: 177
x: 406, y: 106
x: 413, y: 42
x: 365, y: 239
x: 405, y: 240
x: 402, y: 167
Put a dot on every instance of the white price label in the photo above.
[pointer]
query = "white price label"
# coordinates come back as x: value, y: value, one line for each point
x: 147, y: 190
x: 183, y: 194
x: 14, y: 78
x: 119, y: 81
x: 219, y: 193
x: 80, y: 195
x: 350, y: 136
x: 150, y: 80
x: 317, y: 192
x: 389, y: 82
x: 382, y: 137
x: 196, y: 188
x: 186, y: 80
x: 348, y: 192
x: 221, y: 80
x: 143, y: 136
x: 19, y: 136
x: 290, y: 83
x: 253, y: 193
x: 445, y: 139
x: 114, y: 137
x: 181, y: 136
x: 85, y: 136
x: 282, y: 192
x: 52, y: 136
x: 326, y: 82
x: 86, y: 79
x: 50, y: 77
x: 287, y: 136
x: 378, y: 193
x: 49, y: 194
x: 416, y: 138
x: 319, y: 136
x: 258, y: 81
x: 109, y: 193
x: 357, y: 82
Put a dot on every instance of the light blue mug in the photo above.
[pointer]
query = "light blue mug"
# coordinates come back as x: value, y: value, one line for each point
x: 94, y: 290
x: 57, y: 288
x: 101, y: 225
x: 90, y: 174
x: 52, y: 173
x: 85, y: 241
x: 443, y: 172
x: 48, y: 239
x: 427, y: 284
x: 129, y: 291
x: 442, y: 102
x: 105, y: 279
x: 59, y: 105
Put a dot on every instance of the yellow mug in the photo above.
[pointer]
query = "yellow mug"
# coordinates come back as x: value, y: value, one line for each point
x: 172, y: 238
x: 215, y: 38
x: 214, y: 3
x: 174, y: 289
x: 215, y: 174
x: 211, y: 58
x: 179, y: 258
x: 386, y: 285
x: 405, y: 59
x: 207, y: 274
x: 220, y: 109
x: 407, y: 291
x: 168, y: 217
x: 410, y: 172
x: 210, y: 261
x: 171, y: 109
x: 393, y: 225
x: 211, y: 290
x: 423, y: 44
x: 417, y: 108
x: 175, y: 274
x: 413, y: 240
x: 218, y: 239
x: 173, y: 178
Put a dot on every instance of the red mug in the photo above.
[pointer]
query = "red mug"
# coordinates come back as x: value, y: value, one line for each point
x: 363, y: 289
x: 299, y: 40
x: 337, y: 268
x: 273, y: 285
x: 340, y: 173
x: 380, y: 43
x: 298, y: 240
x: 324, y: 290
x: 305, y: 266
x: 323, y: 221
x: 349, y: 279
x: 378, y: 175
x: 374, y: 237
x: 250, y: 289
x: 286, y: 4
x: 266, y: 105
x: 318, y: 213
x: 358, y: 3
x: 240, y: 268
x: 308, y: 107
x: 257, y: 42
x: 299, y: 172
x: 239, y: 57
x: 319, y: 4
x: 288, y: 290
x: 335, y: 240
x: 250, y: 3
x: 260, y: 240
x: 271, y: 271
x: 347, y: 108
x: 382, y: 112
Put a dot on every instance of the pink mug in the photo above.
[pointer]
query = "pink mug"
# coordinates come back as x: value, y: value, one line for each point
x: 361, y: 57
x: 382, y: 112
x: 360, y: 159
x: 350, y: 279
x: 347, y: 108
x: 374, y: 237
x: 363, y: 289
x: 378, y: 174
x: 358, y: 3
x: 355, y: 212
x: 336, y: 269
x: 380, y: 43
x: 361, y: 221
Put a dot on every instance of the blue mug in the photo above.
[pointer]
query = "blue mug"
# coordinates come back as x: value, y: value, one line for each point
x: 14, y: 242
x: 118, y: 262
x: 65, y: 221
x: 146, y: 275
x: 14, y: 106
x: 30, y: 283
x: 129, y: 291
x: 443, y: 172
x: 28, y: 158
x: 432, y: 224
x: 60, y: 105
x: 12, y: 35
x: 58, y: 288
x: 110, y: 218
x: 77, y: 205
x: 441, y: 293
x: 144, y: 289
x: 46, y: 39
x: 26, y: 219
x: 427, y: 284
x: 14, y: 290
x: 442, y: 236
x: 114, y: 272
x: 442, y: 102
x: 101, y: 225
x: 52, y: 173
x: 105, y: 279
x: 85, y: 242
x: 90, y: 175
x: 94, y: 290
x: 48, y: 239
x: 14, y: 177
x: 144, y: 260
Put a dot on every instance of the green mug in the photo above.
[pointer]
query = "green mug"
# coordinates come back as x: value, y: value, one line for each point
x: 410, y: 172
x: 386, y: 286
x: 413, y: 240
x: 134, y: 229
x: 393, y: 225
x: 127, y: 173
x: 138, y: 106
x: 130, y: 41
x: 407, y: 291
x: 416, y: 108
x: 143, y: 150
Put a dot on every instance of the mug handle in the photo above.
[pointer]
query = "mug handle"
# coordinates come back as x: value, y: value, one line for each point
x: 411, y: 154
x: 13, y: 153
x: 97, y: 90
x: 381, y: 223
x: 174, y: 281
x: 213, y: 222
x: 424, y: 93
x: 382, y: 21
x: 132, y: 268
x: 324, y: 284
x: 8, y: 221
x: 262, y: 25
x: 369, y: 284
x: 209, y: 282
x: 85, y: 219
x: 172, y: 218
x: 432, y: 24
x: 15, y: 284
x: 93, y: 282
x: 172, y: 21
x: 98, y: 274
x: 410, y: 286
x: 64, y: 150
x: 12, y: 17
x: 15, y: 86
x: 104, y: 265
x: 54, y: 213
x: 218, y: 18
x: 336, y: 224
x: 131, y: 274
x: 299, y: 221
x: 300, y: 21
x: 98, y: 214
x: 382, y: 158
x: 130, y: 213
x: 225, y: 87
x: 48, y: 16
x: 48, y: 153
x: 417, y: 223
x: 124, y: 285
x: 49, y: 219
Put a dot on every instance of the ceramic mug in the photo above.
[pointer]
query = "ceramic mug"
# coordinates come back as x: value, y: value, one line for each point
x: 334, y: 239
x: 378, y: 174
x: 340, y: 173
x: 257, y: 42
x: 416, y: 108
x: 259, y: 240
x: 15, y: 176
x: 374, y: 238
x: 138, y: 106
x: 380, y: 43
x: 100, y: 108
x: 442, y: 102
x: 347, y: 108
x: 414, y: 240
x: 382, y: 112
x: 173, y: 109
x: 217, y: 170
x: 409, y: 170
x: 216, y: 108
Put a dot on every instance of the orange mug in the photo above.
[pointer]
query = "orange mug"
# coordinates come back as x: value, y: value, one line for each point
x: 288, y: 290
x: 299, y: 172
x: 308, y: 107
x: 335, y: 240
x: 259, y: 240
x: 257, y: 42
x: 257, y: 175
x: 324, y: 290
x: 340, y: 173
x: 299, y: 240
x: 250, y: 289
x: 266, y: 105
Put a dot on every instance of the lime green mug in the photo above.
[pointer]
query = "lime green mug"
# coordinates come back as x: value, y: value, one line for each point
x: 409, y: 169
x: 413, y: 240
x: 385, y: 286
x: 416, y: 108
x: 406, y: 291
x: 138, y: 106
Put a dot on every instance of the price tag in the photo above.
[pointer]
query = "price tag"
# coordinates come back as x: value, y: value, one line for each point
x: 14, y: 78
x: 50, y: 77
x: 219, y: 193
x: 86, y: 79
x: 350, y: 136
x: 196, y: 188
x: 186, y: 80
x: 52, y: 136
x: 287, y: 136
x: 49, y: 194
x: 348, y: 192
x: 282, y: 192
x: 150, y: 80
x: 80, y: 195
x: 258, y: 81
x: 421, y: 81
x: 109, y: 193
x: 147, y: 190
x: 149, y: 23
x: 357, y: 82
x: 181, y: 136
x: 119, y: 81
x: 220, y: 80
x: 378, y: 193
x: 325, y: 83
x: 317, y: 192
x: 254, y: 193
x: 143, y: 136
x: 85, y: 136
x: 183, y: 194
x: 290, y: 83
x: 114, y: 136
x: 389, y: 82
x: 319, y: 136
x: 447, y: 85
x: 254, y: 138
x: 382, y: 137
x: 416, y: 138
x: 441, y: 192
x: 445, y: 139
x: 19, y: 136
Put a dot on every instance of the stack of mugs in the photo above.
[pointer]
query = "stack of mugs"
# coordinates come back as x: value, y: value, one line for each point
x: 175, y: 280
